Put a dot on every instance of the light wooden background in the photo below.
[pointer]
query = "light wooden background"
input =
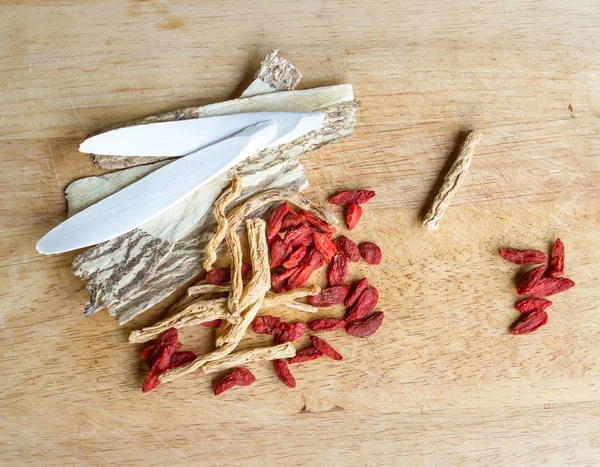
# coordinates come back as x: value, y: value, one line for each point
x: 442, y: 383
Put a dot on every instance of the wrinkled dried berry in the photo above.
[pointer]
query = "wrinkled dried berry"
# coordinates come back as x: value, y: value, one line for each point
x: 370, y: 252
x: 279, y: 281
x: 325, y: 246
x: 532, y: 304
x: 292, y: 219
x: 326, y: 324
x: 222, y: 276
x: 330, y: 296
x: 348, y: 247
x: 314, y: 258
x: 365, y: 327
x: 317, y: 222
x: 325, y: 348
x: 306, y: 354
x: 181, y: 358
x: 159, y: 358
x: 215, y: 323
x: 547, y: 286
x: 299, y: 277
x: 529, y: 279
x: 338, y: 268
x: 275, y: 220
x: 278, y: 251
x: 266, y: 325
x: 358, y: 289
x: 529, y: 322
x: 366, y: 303
x: 301, y: 231
x: 352, y: 197
x: 283, y: 373
x: 352, y: 216
x: 289, y: 332
x: 523, y: 256
x: 557, y: 259
x: 238, y: 377
x: 294, y: 258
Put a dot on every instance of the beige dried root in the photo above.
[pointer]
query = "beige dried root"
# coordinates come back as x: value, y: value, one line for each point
x: 201, y: 289
x: 302, y: 306
x: 452, y: 181
x: 272, y: 299
x: 243, y: 357
x: 237, y: 282
x: 231, y: 193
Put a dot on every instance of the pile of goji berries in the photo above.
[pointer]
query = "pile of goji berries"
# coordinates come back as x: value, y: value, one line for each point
x: 540, y: 281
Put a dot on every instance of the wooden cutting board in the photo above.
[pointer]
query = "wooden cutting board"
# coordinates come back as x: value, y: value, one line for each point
x: 442, y: 383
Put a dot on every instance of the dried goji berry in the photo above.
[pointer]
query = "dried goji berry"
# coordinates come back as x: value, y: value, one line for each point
x: 289, y: 332
x: 222, y: 276
x: 275, y: 220
x: 294, y: 258
x: 266, y: 325
x: 326, y: 324
x: 364, y: 305
x: 167, y: 338
x: 317, y: 222
x: 160, y: 358
x: 314, y: 258
x: 215, y: 323
x: 299, y: 277
x: 522, y: 256
x: 279, y: 281
x: 278, y: 251
x: 532, y: 304
x: 292, y: 219
x: 181, y: 358
x: 557, y: 259
x: 352, y: 197
x: 359, y: 288
x: 365, y: 327
x: 352, y: 216
x: 529, y: 322
x: 529, y: 279
x: 338, y: 268
x: 325, y: 348
x: 325, y: 245
x: 306, y: 354
x: 238, y: 377
x: 547, y: 286
x: 348, y: 247
x: 370, y: 252
x: 283, y: 373
x: 330, y: 296
x: 298, y: 232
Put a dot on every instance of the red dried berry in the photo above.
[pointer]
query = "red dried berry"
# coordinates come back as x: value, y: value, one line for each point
x: 279, y: 281
x: 289, y: 332
x: 532, y: 304
x: 338, y: 268
x: 529, y: 322
x: 557, y: 259
x: 266, y: 325
x: 365, y: 327
x: 294, y: 258
x: 161, y: 358
x: 314, y: 258
x: 299, y: 277
x: 181, y: 358
x: 522, y: 256
x: 306, y: 354
x: 325, y: 348
x: 317, y: 222
x: 330, y: 296
x: 352, y: 216
x: 359, y: 288
x: 352, y: 197
x: 348, y: 247
x: 529, y: 279
x: 275, y: 220
x: 167, y: 338
x: 326, y: 324
x: 222, y: 276
x: 365, y: 304
x: 292, y: 219
x: 215, y: 323
x: 283, y: 373
x: 325, y: 245
x: 238, y: 377
x: 547, y: 286
x: 278, y: 251
x: 370, y: 252
x: 301, y: 231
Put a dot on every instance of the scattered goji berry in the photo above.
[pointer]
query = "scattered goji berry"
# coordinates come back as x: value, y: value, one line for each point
x: 283, y: 373
x: 314, y: 258
x: 299, y: 232
x: 167, y: 338
x: 557, y: 259
x: 529, y: 279
x: 238, y: 377
x: 266, y: 325
x: 292, y: 219
x: 275, y: 220
x: 352, y: 216
x: 306, y: 354
x: 330, y: 296
x: 215, y: 323
x: 289, y: 332
x: 160, y: 358
x: 529, y: 322
x: 522, y: 256
x: 325, y: 245
x: 181, y: 358
x: 338, y: 268
x: 325, y: 348
x: 359, y: 288
x: 294, y: 258
x: 305, y: 240
x: 352, y: 197
x: 532, y: 304
x: 278, y: 251
x: 299, y: 277
x: 348, y: 247
x: 317, y: 222
x: 364, y: 305
x: 370, y: 252
x: 279, y: 281
x: 222, y: 276
x: 547, y: 286
x: 326, y: 324
x: 365, y: 327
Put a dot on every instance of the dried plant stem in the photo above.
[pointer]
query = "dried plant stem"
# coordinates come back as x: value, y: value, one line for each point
x: 302, y: 306
x: 201, y: 289
x: 237, y: 283
x: 243, y: 357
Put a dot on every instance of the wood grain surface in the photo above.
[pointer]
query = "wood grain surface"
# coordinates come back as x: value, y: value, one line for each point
x: 442, y: 383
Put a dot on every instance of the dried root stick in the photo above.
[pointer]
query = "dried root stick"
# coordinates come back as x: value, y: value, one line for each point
x: 201, y: 289
x: 230, y: 194
x: 242, y: 357
x: 452, y: 181
x: 272, y: 300
x: 302, y: 306
x: 237, y: 282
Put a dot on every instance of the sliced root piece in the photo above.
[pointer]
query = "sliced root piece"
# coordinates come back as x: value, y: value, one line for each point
x: 243, y: 357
